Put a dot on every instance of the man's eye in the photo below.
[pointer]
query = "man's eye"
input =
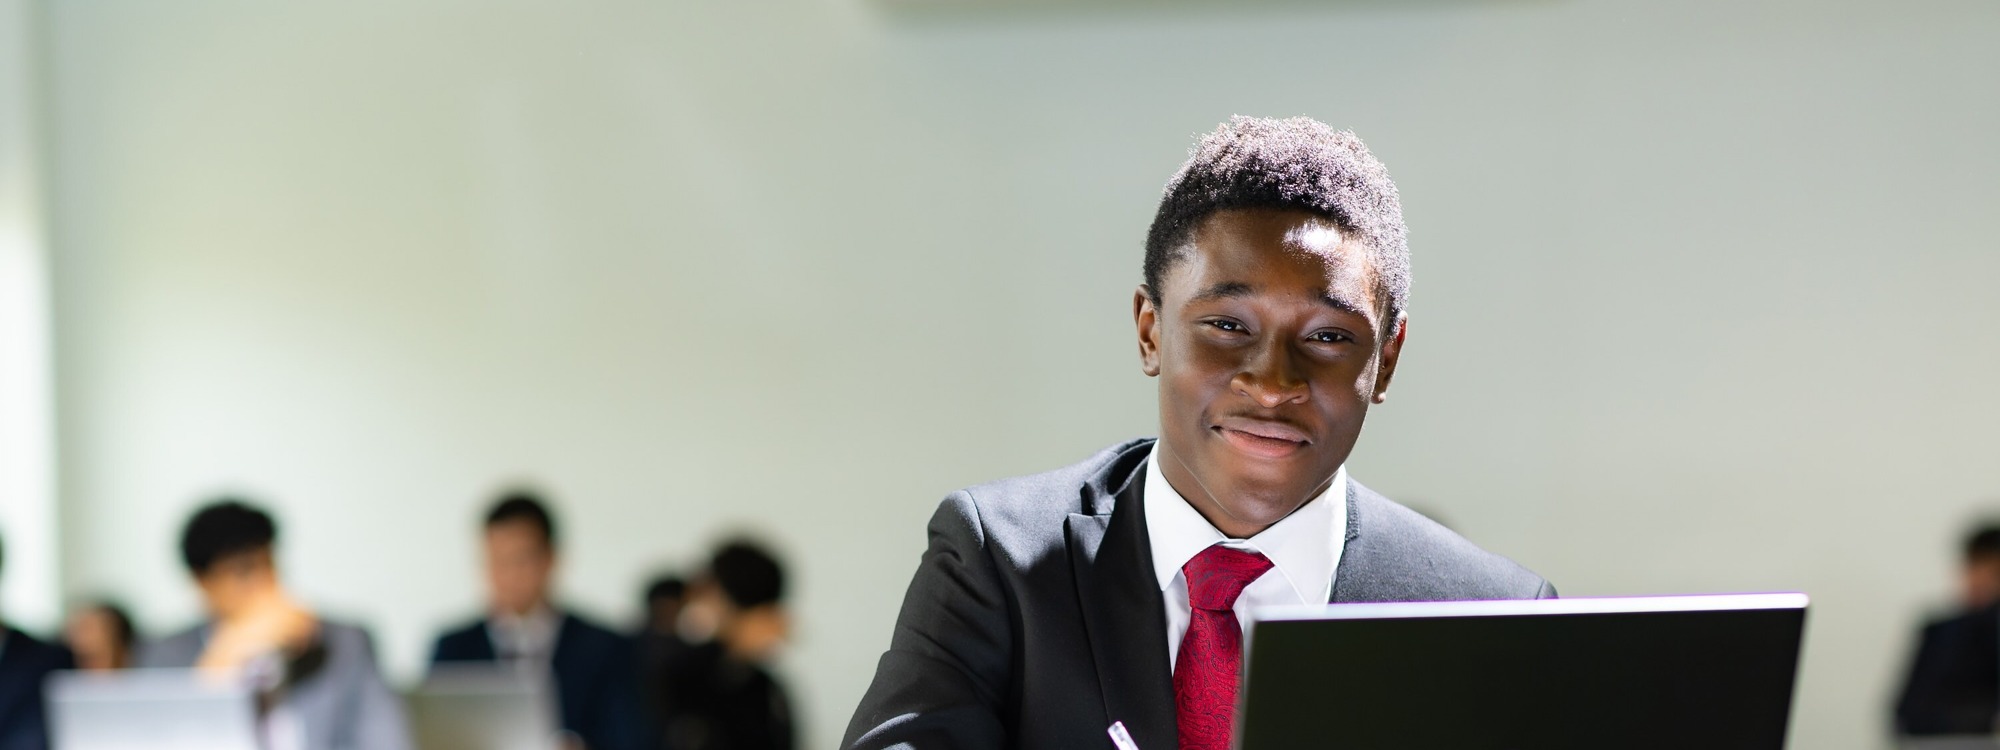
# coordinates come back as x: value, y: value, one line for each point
x: 1226, y: 325
x: 1329, y: 337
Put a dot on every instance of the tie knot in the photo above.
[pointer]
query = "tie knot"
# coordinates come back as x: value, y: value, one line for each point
x: 1217, y: 576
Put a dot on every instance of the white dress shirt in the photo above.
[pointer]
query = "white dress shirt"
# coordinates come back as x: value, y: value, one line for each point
x: 525, y: 638
x: 1304, y: 549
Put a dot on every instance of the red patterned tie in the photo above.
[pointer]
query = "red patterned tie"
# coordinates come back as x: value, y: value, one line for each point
x: 1211, y: 657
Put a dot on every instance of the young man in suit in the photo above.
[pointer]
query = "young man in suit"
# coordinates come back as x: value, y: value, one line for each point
x: 1273, y: 314
x: 595, y: 677
x: 319, y: 686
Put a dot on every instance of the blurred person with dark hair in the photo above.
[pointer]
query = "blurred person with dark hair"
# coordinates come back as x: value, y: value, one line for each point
x: 659, y: 641
x: 720, y: 696
x: 595, y: 677
x: 319, y: 685
x: 664, y: 599
x: 101, y: 635
x: 25, y: 663
x: 1953, y: 686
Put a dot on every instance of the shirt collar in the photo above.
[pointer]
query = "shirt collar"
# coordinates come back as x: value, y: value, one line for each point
x: 1304, y: 547
x: 534, y: 632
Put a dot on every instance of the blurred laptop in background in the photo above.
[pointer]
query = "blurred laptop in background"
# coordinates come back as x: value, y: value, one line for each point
x: 150, y: 709
x: 485, y: 707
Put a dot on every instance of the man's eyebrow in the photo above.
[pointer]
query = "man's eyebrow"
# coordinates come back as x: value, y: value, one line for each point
x: 1238, y: 289
x: 1342, y: 305
x: 1223, y: 290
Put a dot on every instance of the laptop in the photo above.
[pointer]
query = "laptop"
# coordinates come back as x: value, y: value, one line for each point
x: 1711, y: 672
x: 150, y: 709
x: 485, y: 707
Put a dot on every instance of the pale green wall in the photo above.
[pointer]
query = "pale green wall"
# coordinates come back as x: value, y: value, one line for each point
x: 29, y: 596
x: 1703, y: 289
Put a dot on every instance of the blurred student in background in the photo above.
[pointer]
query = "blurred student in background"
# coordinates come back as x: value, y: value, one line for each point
x: 317, y: 679
x: 659, y: 642
x: 665, y: 597
x: 719, y: 694
x: 1953, y: 686
x: 25, y: 663
x: 101, y: 636
x: 595, y: 679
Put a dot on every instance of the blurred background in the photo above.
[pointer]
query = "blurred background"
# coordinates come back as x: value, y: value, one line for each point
x: 1704, y: 290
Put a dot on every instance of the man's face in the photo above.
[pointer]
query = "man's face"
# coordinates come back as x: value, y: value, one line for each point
x: 1981, y: 582
x: 664, y: 614
x: 519, y: 564
x: 1267, y: 342
x: 232, y: 583
x: 93, y: 637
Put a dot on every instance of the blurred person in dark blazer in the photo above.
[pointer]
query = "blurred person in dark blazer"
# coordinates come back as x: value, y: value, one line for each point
x: 101, y: 635
x: 319, y: 685
x: 666, y: 597
x: 25, y: 664
x: 593, y: 668
x: 659, y: 643
x: 1953, y: 683
x: 720, y: 694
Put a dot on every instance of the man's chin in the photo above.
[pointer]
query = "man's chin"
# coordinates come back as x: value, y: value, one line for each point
x: 1281, y: 480
x: 1265, y: 511
x: 1264, y: 503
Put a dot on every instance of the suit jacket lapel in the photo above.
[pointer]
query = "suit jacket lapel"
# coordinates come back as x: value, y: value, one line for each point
x: 1125, y: 617
x: 1354, y: 554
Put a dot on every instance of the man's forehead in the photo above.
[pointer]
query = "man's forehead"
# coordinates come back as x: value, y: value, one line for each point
x: 1300, y: 255
x: 1316, y: 236
x: 1352, y: 301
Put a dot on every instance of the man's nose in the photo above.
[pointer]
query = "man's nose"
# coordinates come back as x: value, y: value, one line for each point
x: 1272, y: 375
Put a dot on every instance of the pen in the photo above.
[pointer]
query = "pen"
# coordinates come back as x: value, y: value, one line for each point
x: 1121, y: 738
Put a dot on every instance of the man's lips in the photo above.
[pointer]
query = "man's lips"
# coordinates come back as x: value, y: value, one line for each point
x: 1262, y: 437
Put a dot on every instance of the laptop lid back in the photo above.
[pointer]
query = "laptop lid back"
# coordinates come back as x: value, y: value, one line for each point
x: 485, y: 707
x: 1668, y: 672
x: 150, y: 709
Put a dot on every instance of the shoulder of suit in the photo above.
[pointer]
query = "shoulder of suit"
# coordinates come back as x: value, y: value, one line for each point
x: 1031, y: 510
x: 179, y: 650
x: 1060, y: 491
x: 471, y: 629
x: 580, y: 625
x: 341, y: 631
x: 1405, y: 543
x: 17, y: 638
x: 21, y: 644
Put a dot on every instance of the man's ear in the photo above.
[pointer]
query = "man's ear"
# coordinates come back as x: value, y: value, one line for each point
x: 1392, y: 350
x: 1147, y: 317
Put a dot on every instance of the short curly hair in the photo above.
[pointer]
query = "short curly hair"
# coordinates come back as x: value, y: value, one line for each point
x: 1293, y: 163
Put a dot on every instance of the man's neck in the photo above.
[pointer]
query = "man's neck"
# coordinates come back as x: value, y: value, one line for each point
x: 538, y: 609
x: 1190, y: 487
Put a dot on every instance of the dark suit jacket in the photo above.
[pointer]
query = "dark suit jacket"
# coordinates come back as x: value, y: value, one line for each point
x: 1954, y: 682
x: 596, y: 679
x: 25, y: 663
x: 1035, y: 621
x: 714, y: 702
